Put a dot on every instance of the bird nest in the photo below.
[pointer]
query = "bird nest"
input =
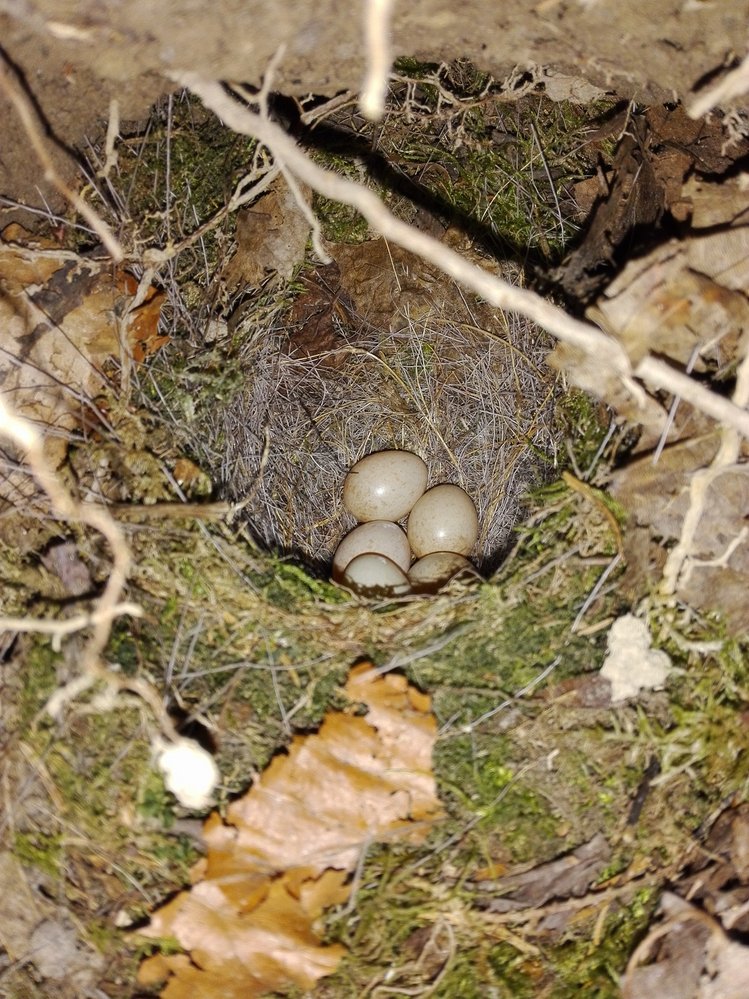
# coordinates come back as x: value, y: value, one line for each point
x: 463, y: 386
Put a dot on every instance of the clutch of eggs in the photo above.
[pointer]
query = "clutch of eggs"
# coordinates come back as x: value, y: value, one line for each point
x: 375, y: 558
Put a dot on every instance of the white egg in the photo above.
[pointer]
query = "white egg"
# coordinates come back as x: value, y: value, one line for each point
x: 431, y: 572
x: 443, y: 520
x: 384, y: 485
x: 380, y: 536
x: 372, y: 575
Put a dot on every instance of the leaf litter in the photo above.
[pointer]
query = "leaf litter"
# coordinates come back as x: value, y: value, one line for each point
x: 284, y: 852
x: 683, y: 301
x: 698, y: 949
x: 66, y: 320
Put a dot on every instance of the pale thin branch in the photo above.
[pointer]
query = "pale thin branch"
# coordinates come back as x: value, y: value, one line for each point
x: 113, y: 133
x: 732, y: 85
x: 610, y: 355
x: 297, y: 194
x: 63, y: 504
x: 109, y: 604
x: 377, y: 15
x: 35, y: 134
x: 69, y: 625
x: 662, y: 376
x: 680, y: 560
x: 499, y: 293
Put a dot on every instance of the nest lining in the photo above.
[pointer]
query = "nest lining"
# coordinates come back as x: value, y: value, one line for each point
x: 468, y: 391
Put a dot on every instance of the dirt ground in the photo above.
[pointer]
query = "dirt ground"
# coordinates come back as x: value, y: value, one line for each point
x: 77, y: 56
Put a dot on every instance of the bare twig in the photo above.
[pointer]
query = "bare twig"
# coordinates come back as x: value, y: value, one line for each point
x: 35, y: 133
x: 113, y: 132
x: 680, y: 561
x: 158, y: 511
x: 535, y: 914
x: 733, y: 84
x: 662, y: 376
x: 379, y: 59
x: 63, y: 504
x: 109, y: 604
x: 290, y: 179
x: 607, y: 351
x: 68, y: 626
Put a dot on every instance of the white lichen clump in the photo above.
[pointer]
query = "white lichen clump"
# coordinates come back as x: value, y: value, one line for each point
x: 631, y: 664
x: 189, y: 771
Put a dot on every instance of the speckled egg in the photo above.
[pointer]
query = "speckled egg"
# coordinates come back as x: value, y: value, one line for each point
x: 384, y: 485
x: 443, y: 520
x: 433, y: 571
x: 372, y: 575
x: 382, y: 537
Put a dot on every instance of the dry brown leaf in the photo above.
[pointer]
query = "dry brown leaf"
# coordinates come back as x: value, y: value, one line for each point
x: 271, y: 238
x: 712, y: 204
x: 688, y: 955
x: 695, y: 958
x: 684, y: 301
x: 20, y: 911
x: 316, y: 318
x: 390, y: 286
x: 285, y: 850
x: 59, y: 314
x: 685, y: 295
x: 568, y: 876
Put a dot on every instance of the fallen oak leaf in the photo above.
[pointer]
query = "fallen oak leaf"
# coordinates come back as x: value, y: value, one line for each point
x: 235, y: 953
x: 286, y: 849
x: 272, y: 235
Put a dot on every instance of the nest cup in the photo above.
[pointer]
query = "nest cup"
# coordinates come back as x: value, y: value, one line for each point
x: 466, y: 390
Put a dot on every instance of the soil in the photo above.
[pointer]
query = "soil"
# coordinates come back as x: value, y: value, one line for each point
x: 76, y: 56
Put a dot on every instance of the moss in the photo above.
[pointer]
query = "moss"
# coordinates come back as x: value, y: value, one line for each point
x: 154, y: 801
x: 584, y: 422
x: 204, y: 161
x: 480, y: 780
x: 123, y: 647
x: 40, y: 850
x: 40, y: 681
x: 593, y: 967
x: 288, y: 586
x: 417, y: 68
x: 340, y: 223
x: 510, y: 190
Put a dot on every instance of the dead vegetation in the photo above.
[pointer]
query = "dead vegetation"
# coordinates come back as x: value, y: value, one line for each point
x: 264, y: 395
